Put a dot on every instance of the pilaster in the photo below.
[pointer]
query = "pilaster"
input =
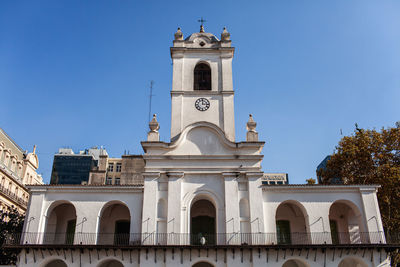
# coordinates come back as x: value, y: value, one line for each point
x: 372, y: 215
x: 149, y: 202
x: 174, y: 217
x: 231, y: 202
x: 256, y: 202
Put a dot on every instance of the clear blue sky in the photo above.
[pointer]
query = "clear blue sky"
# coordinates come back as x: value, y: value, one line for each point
x: 76, y: 73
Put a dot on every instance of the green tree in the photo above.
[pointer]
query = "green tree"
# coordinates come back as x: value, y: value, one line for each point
x: 11, y: 222
x: 310, y: 181
x: 371, y: 157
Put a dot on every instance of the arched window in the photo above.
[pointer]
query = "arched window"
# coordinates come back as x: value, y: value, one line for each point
x: 294, y: 263
x: 202, y: 77
x: 56, y: 263
x: 203, y: 222
x: 353, y: 262
x: 115, y: 223
x: 345, y: 223
x: 202, y: 264
x: 61, y: 224
x: 291, y: 223
x: 111, y: 263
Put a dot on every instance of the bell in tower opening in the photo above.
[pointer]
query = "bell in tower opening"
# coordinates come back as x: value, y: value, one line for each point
x: 202, y: 77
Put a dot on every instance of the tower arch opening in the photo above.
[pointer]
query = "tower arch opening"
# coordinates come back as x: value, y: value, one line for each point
x: 203, y: 222
x: 202, y: 77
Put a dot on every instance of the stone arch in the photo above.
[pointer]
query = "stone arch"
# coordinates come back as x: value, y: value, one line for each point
x: 202, y: 76
x: 110, y: 263
x: 54, y: 263
x: 194, y: 195
x: 295, y: 263
x: 346, y: 224
x: 352, y: 262
x: 60, y: 223
x: 202, y: 264
x: 114, y: 224
x: 292, y: 225
x: 203, y: 221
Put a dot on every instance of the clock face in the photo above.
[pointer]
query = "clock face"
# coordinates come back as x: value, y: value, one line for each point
x: 202, y: 104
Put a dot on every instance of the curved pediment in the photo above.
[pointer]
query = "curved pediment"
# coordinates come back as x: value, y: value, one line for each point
x: 202, y: 138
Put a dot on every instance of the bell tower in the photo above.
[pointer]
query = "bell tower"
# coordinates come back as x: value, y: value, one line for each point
x: 202, y: 88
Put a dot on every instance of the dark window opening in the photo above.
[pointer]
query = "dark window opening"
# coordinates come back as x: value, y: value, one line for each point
x: 121, y: 233
x: 202, y: 77
x: 283, y: 232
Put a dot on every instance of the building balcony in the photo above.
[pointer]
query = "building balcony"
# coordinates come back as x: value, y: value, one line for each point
x: 10, y: 173
x: 211, y: 240
x: 12, y: 196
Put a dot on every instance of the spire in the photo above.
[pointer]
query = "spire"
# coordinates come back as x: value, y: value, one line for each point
x: 153, y: 134
x: 178, y: 35
x: 252, y: 135
x: 34, y: 149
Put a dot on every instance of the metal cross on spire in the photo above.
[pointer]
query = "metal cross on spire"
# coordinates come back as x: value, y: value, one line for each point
x: 202, y: 24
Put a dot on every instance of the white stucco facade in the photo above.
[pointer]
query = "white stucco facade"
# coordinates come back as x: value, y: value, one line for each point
x: 202, y: 202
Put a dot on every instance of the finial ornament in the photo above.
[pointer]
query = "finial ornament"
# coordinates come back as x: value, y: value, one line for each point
x: 201, y: 24
x: 225, y: 35
x: 252, y: 135
x: 251, y: 124
x: 34, y: 149
x: 153, y: 124
x: 179, y: 34
x: 153, y: 135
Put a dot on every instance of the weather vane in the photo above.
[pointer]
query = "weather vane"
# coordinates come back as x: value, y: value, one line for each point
x: 202, y: 24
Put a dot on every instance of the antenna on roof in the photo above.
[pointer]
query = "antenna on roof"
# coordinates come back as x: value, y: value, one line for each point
x: 150, y: 98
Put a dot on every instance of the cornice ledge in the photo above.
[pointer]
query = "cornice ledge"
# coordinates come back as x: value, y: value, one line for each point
x: 86, y: 188
x: 202, y: 157
x: 153, y: 175
x: 230, y: 174
x: 175, y: 174
x: 254, y: 174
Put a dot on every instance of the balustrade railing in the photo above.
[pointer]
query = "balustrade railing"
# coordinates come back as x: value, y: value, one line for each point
x: 13, y: 196
x: 174, y: 239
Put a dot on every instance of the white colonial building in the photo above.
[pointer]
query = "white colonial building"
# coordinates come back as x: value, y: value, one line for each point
x: 202, y: 201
